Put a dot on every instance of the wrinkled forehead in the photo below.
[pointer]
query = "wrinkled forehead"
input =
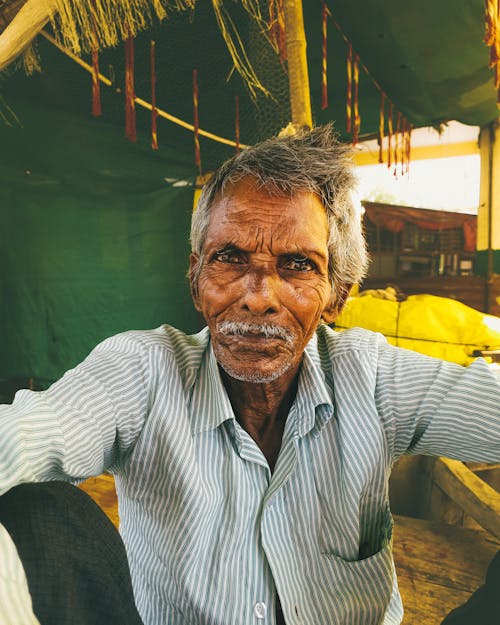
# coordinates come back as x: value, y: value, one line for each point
x: 246, y: 210
x: 249, y: 188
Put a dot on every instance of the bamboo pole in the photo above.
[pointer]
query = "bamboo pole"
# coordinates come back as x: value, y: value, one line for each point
x: 488, y: 218
x: 298, y: 76
x: 489, y: 257
x: 28, y: 22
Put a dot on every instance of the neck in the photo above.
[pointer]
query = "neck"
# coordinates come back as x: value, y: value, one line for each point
x: 261, y: 409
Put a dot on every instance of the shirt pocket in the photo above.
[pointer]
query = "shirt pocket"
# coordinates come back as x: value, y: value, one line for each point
x: 363, y: 586
x: 351, y: 531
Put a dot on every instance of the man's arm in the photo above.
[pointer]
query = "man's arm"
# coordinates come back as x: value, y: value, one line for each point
x: 438, y: 408
x: 83, y: 423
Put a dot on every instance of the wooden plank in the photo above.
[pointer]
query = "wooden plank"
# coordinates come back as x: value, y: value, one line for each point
x: 442, y: 554
x: 443, y: 509
x: 426, y: 603
x: 102, y: 490
x: 476, y: 467
x: 467, y: 490
x: 439, y: 566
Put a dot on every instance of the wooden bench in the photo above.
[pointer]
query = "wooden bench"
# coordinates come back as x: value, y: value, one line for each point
x: 439, y: 565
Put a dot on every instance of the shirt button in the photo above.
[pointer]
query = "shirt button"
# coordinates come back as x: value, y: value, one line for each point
x: 260, y: 610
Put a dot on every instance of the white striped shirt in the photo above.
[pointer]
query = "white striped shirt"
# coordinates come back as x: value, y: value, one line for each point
x: 15, y: 600
x: 211, y: 534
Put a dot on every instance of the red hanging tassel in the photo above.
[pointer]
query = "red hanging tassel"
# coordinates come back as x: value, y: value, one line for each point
x: 492, y: 34
x: 348, y: 103
x: 197, y: 152
x: 498, y: 90
x: 403, y: 145
x: 491, y: 21
x: 237, y: 123
x: 130, y: 127
x: 389, y: 135
x: 96, y: 87
x: 397, y: 141
x: 408, y: 149
x: 492, y: 39
x: 381, y: 128
x: 277, y: 28
x: 324, y: 78
x: 497, y: 82
x: 154, y: 110
x: 357, y: 118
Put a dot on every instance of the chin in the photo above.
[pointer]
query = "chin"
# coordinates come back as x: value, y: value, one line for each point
x: 255, y: 376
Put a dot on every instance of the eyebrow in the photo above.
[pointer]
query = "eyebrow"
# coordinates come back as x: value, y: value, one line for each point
x: 229, y: 247
x: 298, y: 252
x: 306, y: 253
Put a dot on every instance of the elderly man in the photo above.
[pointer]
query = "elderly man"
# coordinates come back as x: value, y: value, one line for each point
x: 252, y: 459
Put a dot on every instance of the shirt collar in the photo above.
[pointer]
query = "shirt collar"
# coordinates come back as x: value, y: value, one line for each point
x: 315, y: 391
x: 210, y: 406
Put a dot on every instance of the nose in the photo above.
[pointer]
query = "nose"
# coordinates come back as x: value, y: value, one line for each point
x: 261, y: 292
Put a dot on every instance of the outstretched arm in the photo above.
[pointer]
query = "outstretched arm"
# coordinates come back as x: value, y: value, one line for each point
x: 439, y: 408
x: 82, y: 424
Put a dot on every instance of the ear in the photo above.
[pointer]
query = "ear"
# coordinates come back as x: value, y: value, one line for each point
x: 194, y: 261
x: 334, y: 307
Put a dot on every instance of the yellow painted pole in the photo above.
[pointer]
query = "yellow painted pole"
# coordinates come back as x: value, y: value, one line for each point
x: 298, y: 76
x: 488, y: 222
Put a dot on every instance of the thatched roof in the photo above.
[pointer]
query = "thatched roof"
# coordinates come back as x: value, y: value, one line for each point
x: 429, y: 59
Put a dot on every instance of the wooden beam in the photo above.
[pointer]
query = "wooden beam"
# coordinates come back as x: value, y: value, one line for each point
x: 476, y: 467
x: 27, y: 23
x: 475, y: 497
x: 8, y: 12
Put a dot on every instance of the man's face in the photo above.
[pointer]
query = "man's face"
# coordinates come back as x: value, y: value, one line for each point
x: 264, y: 283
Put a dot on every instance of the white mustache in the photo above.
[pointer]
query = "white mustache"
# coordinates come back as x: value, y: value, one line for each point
x: 270, y: 331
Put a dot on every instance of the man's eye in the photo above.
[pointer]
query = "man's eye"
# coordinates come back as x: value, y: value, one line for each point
x: 299, y: 264
x: 228, y: 256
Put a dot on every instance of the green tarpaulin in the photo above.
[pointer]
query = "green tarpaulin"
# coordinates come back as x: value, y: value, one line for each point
x: 429, y: 57
x: 93, y: 240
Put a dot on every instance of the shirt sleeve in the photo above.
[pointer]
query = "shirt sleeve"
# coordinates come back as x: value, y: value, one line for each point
x: 15, y: 600
x: 438, y: 408
x: 83, y: 424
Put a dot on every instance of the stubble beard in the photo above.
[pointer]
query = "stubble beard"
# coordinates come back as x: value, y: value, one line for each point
x: 237, y: 328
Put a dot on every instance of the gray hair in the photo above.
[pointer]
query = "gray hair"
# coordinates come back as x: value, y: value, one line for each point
x: 309, y: 161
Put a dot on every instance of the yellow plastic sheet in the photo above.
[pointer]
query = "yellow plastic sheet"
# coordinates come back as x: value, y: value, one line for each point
x: 436, y: 326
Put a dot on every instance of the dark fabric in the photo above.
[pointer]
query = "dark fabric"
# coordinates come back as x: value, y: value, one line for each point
x: 74, y: 558
x: 483, y: 606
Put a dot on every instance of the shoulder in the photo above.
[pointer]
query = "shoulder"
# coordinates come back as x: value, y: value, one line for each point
x: 354, y: 342
x: 373, y: 350
x: 164, y: 343
x: 164, y: 337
